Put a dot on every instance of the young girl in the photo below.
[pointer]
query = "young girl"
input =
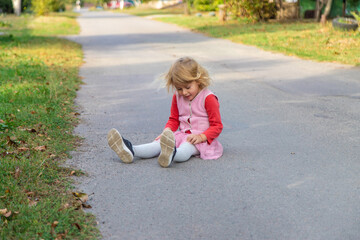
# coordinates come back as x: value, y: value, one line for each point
x: 193, y: 126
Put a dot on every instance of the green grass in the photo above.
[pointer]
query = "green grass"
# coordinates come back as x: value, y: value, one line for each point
x: 38, y: 83
x: 307, y: 40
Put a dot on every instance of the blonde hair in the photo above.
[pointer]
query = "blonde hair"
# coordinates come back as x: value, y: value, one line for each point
x: 184, y: 71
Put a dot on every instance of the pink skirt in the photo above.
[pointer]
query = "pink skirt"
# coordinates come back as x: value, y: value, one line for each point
x: 207, y: 151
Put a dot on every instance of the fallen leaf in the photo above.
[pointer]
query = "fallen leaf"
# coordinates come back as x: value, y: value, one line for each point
x: 72, y: 173
x: 8, y: 214
x: 32, y: 203
x: 11, y: 141
x: 33, y: 112
x: 17, y: 172
x: 53, y: 226
x: 83, y: 197
x: 5, y: 212
x: 40, y: 148
x: 77, y: 225
x: 32, y: 130
x: 23, y: 149
x: 30, y: 194
x: 85, y: 205
x: 77, y: 204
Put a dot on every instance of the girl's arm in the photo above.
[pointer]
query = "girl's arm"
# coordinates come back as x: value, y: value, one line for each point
x: 173, y: 122
x: 213, y: 110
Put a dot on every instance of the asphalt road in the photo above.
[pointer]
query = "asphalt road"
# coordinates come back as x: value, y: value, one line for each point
x: 291, y: 138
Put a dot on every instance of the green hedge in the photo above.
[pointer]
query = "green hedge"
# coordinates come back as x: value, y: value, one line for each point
x: 6, y: 6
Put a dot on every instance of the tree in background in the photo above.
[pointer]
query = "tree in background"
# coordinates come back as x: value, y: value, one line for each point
x: 257, y: 10
x: 187, y: 6
x: 6, y: 6
x: 326, y: 11
x: 207, y: 5
x: 44, y: 7
x: 319, y: 8
x: 17, y: 7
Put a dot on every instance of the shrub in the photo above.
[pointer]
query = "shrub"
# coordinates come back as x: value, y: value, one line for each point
x: 258, y: 10
x: 6, y: 6
x: 356, y: 16
x: 207, y: 5
x: 44, y: 7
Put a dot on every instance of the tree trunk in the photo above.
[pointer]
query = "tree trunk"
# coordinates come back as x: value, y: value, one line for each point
x: 319, y: 6
x: 280, y: 9
x: 186, y: 7
x: 326, y: 12
x: 17, y: 7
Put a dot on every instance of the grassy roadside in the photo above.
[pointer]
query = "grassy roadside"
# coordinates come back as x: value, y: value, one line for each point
x: 307, y: 40
x: 38, y: 83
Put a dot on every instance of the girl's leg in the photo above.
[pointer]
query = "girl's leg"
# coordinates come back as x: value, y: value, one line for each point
x: 148, y: 150
x: 121, y: 146
x: 185, y: 151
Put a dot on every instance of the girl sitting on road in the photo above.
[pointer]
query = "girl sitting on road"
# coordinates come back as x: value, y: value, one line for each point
x: 193, y: 126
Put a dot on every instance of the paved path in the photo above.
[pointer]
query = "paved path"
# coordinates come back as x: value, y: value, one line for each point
x: 291, y: 166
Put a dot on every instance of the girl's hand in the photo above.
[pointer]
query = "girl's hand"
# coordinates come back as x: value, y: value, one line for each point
x: 196, y: 138
x: 158, y: 137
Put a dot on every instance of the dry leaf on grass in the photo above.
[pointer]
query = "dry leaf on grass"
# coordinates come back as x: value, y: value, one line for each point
x: 32, y: 203
x: 22, y: 149
x: 17, y: 172
x: 53, y: 226
x: 30, y: 194
x: 83, y: 197
x: 11, y: 141
x: 5, y: 212
x: 40, y: 148
x: 77, y: 225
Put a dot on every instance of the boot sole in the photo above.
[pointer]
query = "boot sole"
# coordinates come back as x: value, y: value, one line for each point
x: 167, y: 144
x: 116, y: 143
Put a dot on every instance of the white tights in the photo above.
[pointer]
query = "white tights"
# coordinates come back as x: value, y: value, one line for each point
x: 150, y: 150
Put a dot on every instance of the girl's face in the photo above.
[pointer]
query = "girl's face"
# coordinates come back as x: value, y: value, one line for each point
x: 188, y: 91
